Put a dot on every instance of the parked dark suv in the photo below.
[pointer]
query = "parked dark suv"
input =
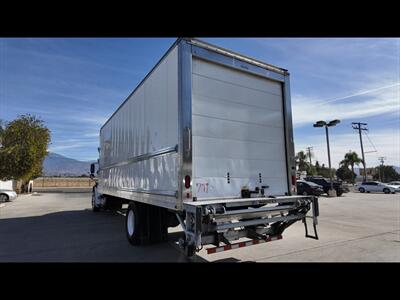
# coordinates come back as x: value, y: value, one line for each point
x: 308, y: 188
x: 326, y: 184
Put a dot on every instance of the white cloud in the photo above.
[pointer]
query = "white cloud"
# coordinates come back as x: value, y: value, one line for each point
x: 358, y: 94
x: 386, y: 141
x: 72, y: 144
x: 376, y: 101
x: 95, y: 120
x: 92, y: 134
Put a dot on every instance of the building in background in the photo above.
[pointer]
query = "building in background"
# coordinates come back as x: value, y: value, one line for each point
x: 16, y: 185
x: 8, y: 185
x: 360, y: 173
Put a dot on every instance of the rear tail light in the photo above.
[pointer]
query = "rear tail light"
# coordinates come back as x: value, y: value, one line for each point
x: 294, y: 188
x: 187, y: 181
x: 293, y: 180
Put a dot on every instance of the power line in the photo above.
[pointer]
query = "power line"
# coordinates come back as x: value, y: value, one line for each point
x: 372, y: 144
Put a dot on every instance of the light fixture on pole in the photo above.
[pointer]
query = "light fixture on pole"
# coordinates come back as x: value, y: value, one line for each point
x: 332, y: 191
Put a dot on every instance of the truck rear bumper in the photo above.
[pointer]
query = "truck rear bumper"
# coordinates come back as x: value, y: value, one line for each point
x: 222, y: 220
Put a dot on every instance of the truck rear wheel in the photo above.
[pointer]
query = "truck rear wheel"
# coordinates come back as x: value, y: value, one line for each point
x: 146, y: 224
x: 132, y: 225
x: 190, y: 251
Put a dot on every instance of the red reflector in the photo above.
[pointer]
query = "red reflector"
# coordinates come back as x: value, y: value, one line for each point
x: 243, y: 244
x: 293, y: 179
x: 212, y: 250
x: 187, y: 181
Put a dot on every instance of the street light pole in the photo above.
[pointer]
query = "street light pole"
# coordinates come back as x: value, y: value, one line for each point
x: 329, y: 156
x: 332, y: 192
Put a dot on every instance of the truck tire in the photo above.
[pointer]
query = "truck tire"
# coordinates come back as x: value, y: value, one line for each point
x: 339, y: 193
x: 386, y: 191
x: 132, y: 225
x: 362, y: 190
x: 190, y: 251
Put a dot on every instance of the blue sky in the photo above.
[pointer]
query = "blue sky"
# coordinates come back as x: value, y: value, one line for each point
x: 76, y: 84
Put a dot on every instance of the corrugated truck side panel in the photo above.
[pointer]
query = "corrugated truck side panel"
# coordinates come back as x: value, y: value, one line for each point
x: 146, y: 123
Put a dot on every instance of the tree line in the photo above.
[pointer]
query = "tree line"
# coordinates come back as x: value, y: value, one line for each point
x: 345, y: 171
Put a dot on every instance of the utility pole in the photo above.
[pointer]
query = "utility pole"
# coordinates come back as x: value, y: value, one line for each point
x: 361, y: 126
x: 309, y: 154
x: 382, y: 160
x: 329, y: 156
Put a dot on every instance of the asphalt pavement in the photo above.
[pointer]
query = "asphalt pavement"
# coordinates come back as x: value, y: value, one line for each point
x: 60, y: 227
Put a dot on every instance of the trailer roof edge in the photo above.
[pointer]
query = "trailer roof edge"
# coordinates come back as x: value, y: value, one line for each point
x: 236, y: 55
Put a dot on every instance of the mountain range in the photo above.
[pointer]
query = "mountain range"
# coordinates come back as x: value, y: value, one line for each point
x: 57, y: 165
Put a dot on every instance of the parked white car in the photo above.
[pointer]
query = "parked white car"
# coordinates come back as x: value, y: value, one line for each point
x: 7, y: 195
x: 395, y: 183
x: 376, y: 186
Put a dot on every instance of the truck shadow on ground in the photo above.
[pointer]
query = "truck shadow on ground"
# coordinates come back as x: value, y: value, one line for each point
x: 79, y: 236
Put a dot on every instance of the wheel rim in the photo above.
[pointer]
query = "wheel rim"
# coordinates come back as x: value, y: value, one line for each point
x: 131, y: 222
x: 3, y: 198
x: 305, y: 193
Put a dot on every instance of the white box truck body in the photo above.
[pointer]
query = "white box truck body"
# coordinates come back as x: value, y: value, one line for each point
x: 206, y: 135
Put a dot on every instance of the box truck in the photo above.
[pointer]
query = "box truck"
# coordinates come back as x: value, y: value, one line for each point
x: 205, y: 141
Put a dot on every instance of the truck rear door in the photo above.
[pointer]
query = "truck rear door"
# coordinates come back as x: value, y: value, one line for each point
x: 238, y: 132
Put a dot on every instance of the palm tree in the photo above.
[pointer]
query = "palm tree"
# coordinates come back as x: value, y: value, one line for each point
x: 350, y: 159
x: 301, y: 160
